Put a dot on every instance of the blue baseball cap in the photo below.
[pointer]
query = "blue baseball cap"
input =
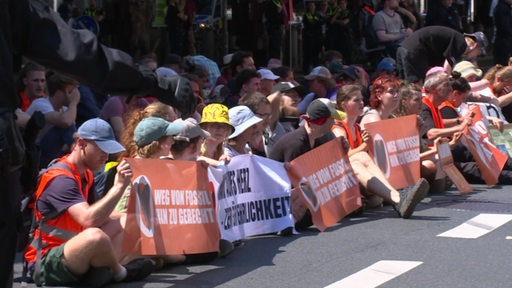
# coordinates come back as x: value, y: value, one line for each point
x: 102, y: 134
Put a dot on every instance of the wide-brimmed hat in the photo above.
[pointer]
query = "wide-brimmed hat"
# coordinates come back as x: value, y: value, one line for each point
x: 101, y: 133
x: 242, y: 118
x: 466, y: 69
x: 153, y: 128
x: 216, y: 113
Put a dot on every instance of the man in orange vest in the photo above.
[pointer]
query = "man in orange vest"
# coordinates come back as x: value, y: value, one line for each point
x: 78, y: 236
x: 32, y: 29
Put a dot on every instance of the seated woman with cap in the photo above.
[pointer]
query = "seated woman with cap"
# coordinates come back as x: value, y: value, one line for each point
x: 153, y: 138
x: 246, y: 130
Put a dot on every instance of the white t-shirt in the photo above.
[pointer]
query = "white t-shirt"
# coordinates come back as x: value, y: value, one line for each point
x: 45, y: 106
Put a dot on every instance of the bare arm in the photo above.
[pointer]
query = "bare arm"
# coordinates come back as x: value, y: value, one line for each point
x: 275, y: 105
x: 447, y: 132
x: 505, y: 100
x: 65, y: 118
x: 98, y: 213
x: 118, y: 126
x: 369, y: 118
x: 407, y: 14
x: 385, y: 37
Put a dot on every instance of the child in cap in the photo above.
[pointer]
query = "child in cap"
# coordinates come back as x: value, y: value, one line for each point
x: 153, y: 137
x: 246, y: 130
x: 187, y: 144
x: 215, y: 120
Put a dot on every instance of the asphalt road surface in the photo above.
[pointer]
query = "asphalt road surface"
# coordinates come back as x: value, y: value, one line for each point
x: 451, y: 241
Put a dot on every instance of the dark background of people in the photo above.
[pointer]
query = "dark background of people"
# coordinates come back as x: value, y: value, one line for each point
x: 410, y: 5
x: 503, y: 22
x: 65, y: 9
x: 276, y: 17
x: 311, y: 37
x: 442, y: 13
x: 339, y: 35
x: 248, y: 24
x: 176, y: 22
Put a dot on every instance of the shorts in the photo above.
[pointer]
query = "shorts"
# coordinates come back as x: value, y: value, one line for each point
x: 53, y: 271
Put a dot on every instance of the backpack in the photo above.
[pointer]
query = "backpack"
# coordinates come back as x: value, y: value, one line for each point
x: 29, y: 176
x: 104, y: 180
x: 30, y: 223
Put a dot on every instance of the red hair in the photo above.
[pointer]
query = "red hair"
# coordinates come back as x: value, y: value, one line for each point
x: 380, y: 85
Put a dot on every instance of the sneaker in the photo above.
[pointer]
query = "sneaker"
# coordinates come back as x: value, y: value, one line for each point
x: 225, y: 247
x: 138, y: 269
x: 98, y: 277
x: 410, y: 197
x: 159, y: 263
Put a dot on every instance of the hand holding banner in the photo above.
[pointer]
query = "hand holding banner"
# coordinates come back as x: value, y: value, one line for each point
x: 252, y: 195
x: 395, y: 148
x: 489, y: 158
x: 446, y: 161
x: 171, y: 209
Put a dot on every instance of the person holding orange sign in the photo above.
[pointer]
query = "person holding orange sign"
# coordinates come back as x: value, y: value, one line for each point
x: 463, y: 159
x: 79, y: 235
x: 314, y: 132
x: 350, y: 100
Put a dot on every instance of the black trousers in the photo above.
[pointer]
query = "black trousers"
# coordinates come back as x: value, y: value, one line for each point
x: 465, y: 162
x: 11, y: 162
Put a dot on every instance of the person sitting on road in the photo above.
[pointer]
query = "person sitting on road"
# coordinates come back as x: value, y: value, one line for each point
x: 246, y: 130
x: 215, y: 120
x: 377, y: 187
x: 81, y: 235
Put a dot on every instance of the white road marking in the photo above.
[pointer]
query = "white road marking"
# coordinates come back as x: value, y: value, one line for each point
x: 376, y: 274
x: 477, y: 226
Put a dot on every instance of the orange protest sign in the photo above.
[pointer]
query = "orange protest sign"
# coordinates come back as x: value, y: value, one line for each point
x: 326, y: 183
x: 395, y: 148
x: 171, y: 209
x: 489, y: 158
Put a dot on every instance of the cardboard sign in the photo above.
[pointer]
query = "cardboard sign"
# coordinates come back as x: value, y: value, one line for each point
x: 252, y: 195
x: 446, y: 160
x: 395, y: 148
x: 489, y: 158
x: 502, y: 140
x: 326, y: 183
x: 171, y: 209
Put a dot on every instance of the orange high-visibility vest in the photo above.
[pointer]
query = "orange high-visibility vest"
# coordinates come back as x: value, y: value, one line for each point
x: 57, y: 230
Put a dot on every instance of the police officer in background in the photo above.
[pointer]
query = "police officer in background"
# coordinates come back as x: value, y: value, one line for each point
x: 30, y: 28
